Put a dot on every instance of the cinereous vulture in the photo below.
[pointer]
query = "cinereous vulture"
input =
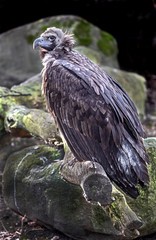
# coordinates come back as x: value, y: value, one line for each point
x: 94, y: 113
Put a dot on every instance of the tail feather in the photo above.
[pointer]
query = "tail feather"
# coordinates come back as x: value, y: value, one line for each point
x: 134, y: 168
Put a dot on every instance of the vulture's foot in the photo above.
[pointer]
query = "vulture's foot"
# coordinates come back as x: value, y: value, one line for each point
x: 72, y: 162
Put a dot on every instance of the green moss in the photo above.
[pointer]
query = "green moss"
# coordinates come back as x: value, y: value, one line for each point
x: 106, y: 43
x: 82, y: 33
x: 1, y: 126
x: 100, y: 217
x: 115, y: 211
x: 145, y: 205
x: 40, y: 126
x: 7, y: 99
x: 28, y: 95
x: 30, y: 38
x: 40, y: 158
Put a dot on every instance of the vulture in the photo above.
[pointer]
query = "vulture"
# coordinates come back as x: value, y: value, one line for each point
x: 94, y: 113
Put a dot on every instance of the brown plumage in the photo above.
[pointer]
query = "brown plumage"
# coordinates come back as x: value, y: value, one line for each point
x: 97, y: 118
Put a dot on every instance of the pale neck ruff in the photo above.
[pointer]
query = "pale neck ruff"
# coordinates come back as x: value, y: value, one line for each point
x: 48, y: 58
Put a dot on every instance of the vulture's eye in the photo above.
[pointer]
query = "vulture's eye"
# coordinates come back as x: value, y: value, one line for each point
x: 51, y: 38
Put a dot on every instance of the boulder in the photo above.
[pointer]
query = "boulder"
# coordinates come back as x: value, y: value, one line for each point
x: 18, y: 61
x: 33, y: 184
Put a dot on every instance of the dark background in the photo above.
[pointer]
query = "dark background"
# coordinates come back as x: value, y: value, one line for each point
x: 131, y: 22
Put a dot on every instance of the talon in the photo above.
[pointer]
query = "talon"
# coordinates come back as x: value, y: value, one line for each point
x: 137, y: 232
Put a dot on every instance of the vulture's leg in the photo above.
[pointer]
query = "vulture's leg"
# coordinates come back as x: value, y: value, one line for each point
x: 69, y: 156
x: 72, y: 162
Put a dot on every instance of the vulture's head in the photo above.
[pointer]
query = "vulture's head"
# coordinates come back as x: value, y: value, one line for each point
x: 54, y: 39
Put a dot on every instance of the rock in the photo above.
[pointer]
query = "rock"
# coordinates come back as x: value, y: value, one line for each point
x: 33, y: 185
x: 18, y: 61
x: 32, y: 178
x: 11, y: 143
x: 28, y: 94
x: 31, y: 122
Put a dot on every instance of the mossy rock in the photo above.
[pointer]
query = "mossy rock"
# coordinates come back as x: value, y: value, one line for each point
x: 32, y: 185
x: 28, y: 94
x: 145, y: 205
x: 106, y: 43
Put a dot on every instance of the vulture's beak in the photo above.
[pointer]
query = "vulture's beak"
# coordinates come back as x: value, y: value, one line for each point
x: 42, y: 43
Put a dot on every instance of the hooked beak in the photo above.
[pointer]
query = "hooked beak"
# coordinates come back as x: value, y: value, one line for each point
x: 42, y: 43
